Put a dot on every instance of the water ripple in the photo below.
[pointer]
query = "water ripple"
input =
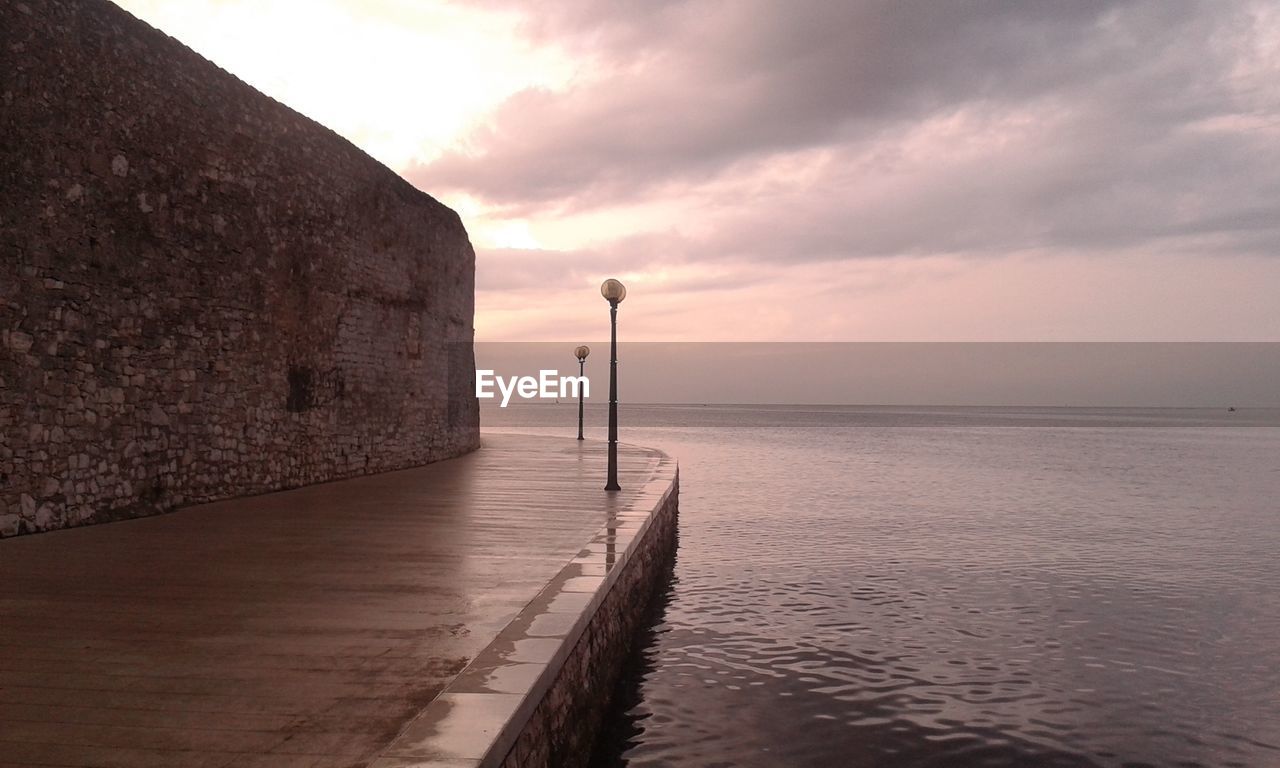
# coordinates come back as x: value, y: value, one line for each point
x: 952, y: 596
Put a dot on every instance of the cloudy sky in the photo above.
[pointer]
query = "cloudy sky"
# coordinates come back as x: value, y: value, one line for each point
x: 812, y: 170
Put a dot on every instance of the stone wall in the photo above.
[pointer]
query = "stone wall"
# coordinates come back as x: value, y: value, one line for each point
x: 203, y: 293
x: 564, y: 726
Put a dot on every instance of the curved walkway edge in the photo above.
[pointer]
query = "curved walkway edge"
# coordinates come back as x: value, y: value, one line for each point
x: 537, y: 694
x: 470, y: 612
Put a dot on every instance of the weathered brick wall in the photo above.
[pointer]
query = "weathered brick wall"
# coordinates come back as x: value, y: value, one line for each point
x: 202, y: 293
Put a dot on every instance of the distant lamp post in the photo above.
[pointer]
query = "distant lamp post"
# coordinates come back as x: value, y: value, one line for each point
x: 581, y: 353
x: 614, y: 292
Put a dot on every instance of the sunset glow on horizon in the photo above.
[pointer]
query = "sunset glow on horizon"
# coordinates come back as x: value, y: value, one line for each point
x: 759, y: 171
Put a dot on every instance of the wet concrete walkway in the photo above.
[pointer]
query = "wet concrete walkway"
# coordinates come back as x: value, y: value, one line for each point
x: 301, y: 628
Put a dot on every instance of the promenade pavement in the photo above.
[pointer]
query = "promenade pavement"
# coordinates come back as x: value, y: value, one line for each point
x: 299, y: 628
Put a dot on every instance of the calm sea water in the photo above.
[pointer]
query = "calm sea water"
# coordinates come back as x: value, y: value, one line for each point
x: 957, y: 587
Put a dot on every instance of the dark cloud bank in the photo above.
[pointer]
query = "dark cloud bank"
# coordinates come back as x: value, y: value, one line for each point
x: 968, y: 127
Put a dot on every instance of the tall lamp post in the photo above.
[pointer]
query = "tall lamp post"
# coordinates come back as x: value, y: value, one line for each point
x: 614, y: 292
x: 581, y: 353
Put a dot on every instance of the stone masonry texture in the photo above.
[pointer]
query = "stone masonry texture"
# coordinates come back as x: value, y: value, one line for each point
x: 204, y: 294
x: 563, y: 728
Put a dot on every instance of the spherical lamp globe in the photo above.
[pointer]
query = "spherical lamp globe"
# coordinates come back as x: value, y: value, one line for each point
x: 613, y: 290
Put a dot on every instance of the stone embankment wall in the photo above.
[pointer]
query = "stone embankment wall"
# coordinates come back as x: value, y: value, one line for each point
x: 563, y: 728
x: 203, y: 293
